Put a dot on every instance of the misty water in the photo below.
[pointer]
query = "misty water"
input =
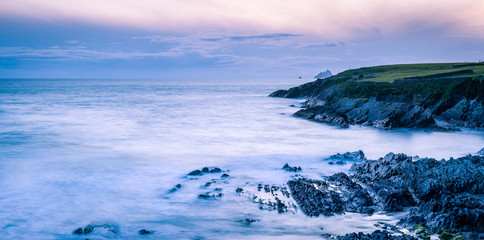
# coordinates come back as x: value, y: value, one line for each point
x: 79, y: 152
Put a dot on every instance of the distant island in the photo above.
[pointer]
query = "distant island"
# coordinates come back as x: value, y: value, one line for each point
x: 440, y: 96
x: 324, y: 74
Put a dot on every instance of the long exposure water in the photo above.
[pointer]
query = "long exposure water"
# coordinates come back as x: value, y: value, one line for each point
x: 79, y: 152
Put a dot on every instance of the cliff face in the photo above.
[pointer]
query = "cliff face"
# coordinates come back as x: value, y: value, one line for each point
x: 439, y: 101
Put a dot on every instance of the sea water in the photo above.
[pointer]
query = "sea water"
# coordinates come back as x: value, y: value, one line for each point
x: 79, y: 152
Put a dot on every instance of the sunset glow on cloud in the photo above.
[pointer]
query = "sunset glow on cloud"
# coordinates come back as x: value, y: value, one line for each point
x: 330, y: 19
x: 340, y: 33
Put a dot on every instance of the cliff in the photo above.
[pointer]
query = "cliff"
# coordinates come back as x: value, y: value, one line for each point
x: 431, y: 96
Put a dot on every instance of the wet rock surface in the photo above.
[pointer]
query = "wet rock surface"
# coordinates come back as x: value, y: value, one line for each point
x: 92, y: 227
x: 273, y: 198
x: 441, y: 194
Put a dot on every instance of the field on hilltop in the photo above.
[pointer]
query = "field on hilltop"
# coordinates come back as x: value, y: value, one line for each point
x: 389, y: 73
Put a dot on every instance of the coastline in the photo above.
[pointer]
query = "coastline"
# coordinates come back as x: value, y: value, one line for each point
x: 445, y: 101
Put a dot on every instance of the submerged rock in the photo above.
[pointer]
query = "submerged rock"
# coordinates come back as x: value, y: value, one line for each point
x: 249, y: 221
x: 204, y: 171
x: 178, y: 186
x: 144, y: 232
x: 209, y: 195
x: 91, y: 227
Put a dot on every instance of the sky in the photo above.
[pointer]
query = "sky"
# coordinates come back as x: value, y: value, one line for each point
x: 228, y: 39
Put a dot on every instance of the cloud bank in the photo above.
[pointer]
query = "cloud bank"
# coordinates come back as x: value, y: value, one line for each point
x: 323, y: 18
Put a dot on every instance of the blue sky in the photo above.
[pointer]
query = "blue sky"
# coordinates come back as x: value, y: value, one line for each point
x: 231, y: 39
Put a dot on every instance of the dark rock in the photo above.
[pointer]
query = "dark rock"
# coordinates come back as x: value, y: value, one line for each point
x: 90, y: 228
x: 225, y: 175
x: 398, y: 199
x: 279, y: 93
x: 209, y: 195
x: 291, y: 169
x: 339, y: 162
x: 178, y: 186
x: 315, y: 198
x: 357, y: 156
x: 144, y: 232
x: 249, y: 221
x: 376, y: 235
x: 195, y: 173
x: 444, y: 194
x: 440, y: 101
x: 204, y: 170
x: 239, y: 190
x: 277, y: 198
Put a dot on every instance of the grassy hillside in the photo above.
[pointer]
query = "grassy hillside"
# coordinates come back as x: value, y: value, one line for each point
x: 389, y: 73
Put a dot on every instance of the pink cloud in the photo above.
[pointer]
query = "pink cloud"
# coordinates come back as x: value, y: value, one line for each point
x: 320, y: 18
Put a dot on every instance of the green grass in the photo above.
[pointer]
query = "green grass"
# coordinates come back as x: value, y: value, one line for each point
x: 388, y: 73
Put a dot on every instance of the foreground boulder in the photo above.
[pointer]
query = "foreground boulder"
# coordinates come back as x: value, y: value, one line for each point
x: 443, y: 194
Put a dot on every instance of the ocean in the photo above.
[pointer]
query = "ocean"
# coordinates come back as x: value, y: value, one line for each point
x: 109, y: 152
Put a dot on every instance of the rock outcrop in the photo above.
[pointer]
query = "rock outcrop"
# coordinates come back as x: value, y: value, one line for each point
x: 441, y: 194
x: 440, y: 101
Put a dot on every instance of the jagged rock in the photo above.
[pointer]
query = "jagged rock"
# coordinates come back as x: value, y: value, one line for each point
x: 376, y: 235
x: 357, y: 156
x: 323, y: 75
x: 91, y: 227
x: 291, y: 169
x: 429, y: 102
x: 278, y: 199
x: 444, y: 194
x: 315, y: 197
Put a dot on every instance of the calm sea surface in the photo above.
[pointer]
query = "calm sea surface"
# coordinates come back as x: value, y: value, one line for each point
x: 79, y: 152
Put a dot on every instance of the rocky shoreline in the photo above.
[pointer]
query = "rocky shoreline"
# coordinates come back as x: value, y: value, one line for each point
x: 438, y: 102
x: 441, y: 198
